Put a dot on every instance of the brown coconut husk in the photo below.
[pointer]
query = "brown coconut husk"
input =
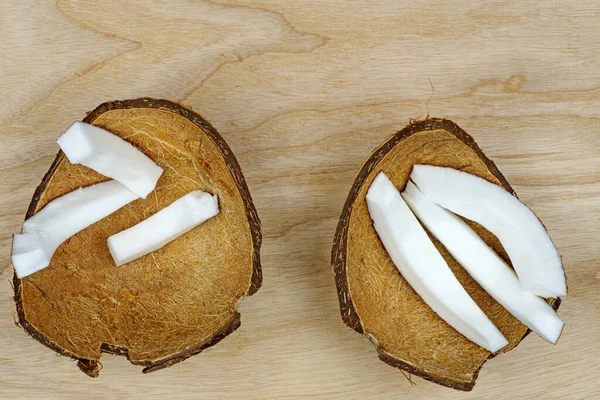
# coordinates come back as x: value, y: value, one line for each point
x: 173, y: 303
x: 377, y: 302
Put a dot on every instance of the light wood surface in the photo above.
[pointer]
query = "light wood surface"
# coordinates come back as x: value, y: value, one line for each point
x: 302, y: 91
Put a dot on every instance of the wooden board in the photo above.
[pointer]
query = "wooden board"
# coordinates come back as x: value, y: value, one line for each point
x: 302, y: 91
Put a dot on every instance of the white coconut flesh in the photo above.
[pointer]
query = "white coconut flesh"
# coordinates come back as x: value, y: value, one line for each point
x: 484, y: 265
x: 163, y: 227
x: 531, y: 251
x: 62, y: 218
x: 31, y: 252
x: 424, y: 268
x: 111, y: 156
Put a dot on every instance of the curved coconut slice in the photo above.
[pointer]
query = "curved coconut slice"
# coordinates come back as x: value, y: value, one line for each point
x: 376, y: 301
x: 62, y: 218
x: 485, y: 266
x: 424, y: 268
x: 521, y: 233
x: 82, y: 305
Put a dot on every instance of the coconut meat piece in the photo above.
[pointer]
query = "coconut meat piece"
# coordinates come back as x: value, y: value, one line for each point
x: 423, y: 267
x: 531, y: 251
x: 62, y: 218
x: 111, y: 156
x: 166, y: 225
x: 484, y: 265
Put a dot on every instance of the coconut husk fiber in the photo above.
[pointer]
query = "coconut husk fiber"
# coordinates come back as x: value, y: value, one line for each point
x: 377, y: 302
x: 168, y: 305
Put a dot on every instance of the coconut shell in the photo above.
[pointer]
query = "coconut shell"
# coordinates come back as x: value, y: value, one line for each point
x: 377, y: 302
x: 168, y: 305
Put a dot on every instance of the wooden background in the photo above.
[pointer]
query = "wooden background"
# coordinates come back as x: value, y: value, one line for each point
x: 302, y: 90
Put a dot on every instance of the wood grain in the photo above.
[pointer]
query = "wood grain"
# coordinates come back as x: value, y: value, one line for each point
x: 303, y: 91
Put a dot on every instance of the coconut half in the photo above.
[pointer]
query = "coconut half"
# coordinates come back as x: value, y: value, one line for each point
x: 376, y: 301
x: 521, y: 233
x: 82, y: 305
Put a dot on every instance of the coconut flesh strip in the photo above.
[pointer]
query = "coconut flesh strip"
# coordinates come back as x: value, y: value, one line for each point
x: 424, y: 268
x: 62, y: 218
x: 166, y: 225
x: 521, y: 233
x: 111, y: 156
x: 484, y: 265
x: 30, y: 253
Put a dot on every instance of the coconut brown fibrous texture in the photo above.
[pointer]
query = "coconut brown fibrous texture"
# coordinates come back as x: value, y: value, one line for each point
x: 168, y: 305
x: 377, y: 302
